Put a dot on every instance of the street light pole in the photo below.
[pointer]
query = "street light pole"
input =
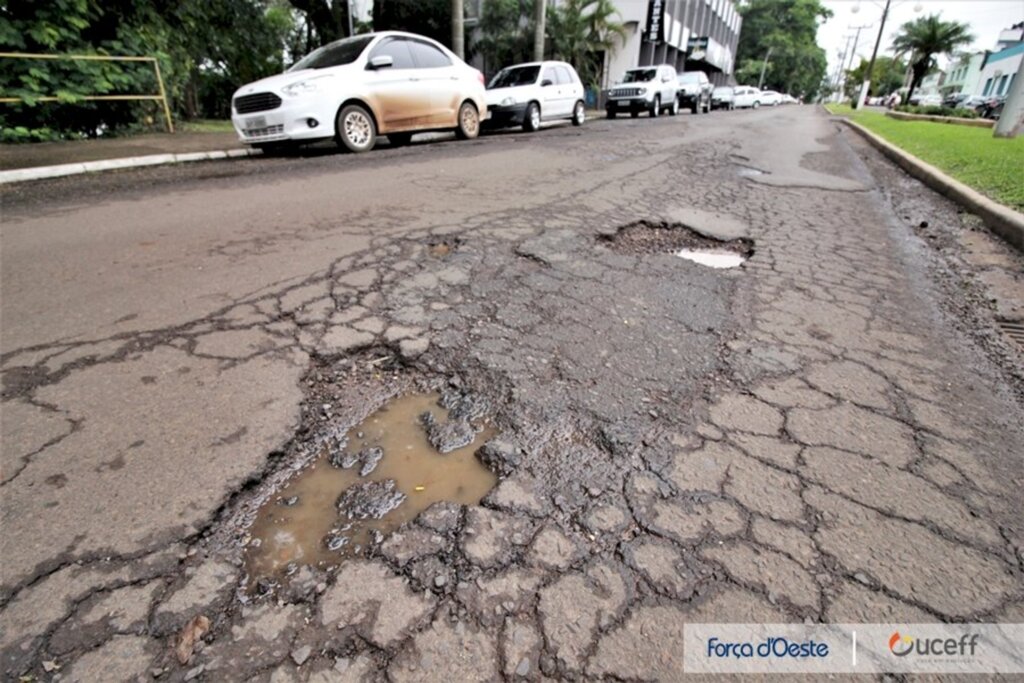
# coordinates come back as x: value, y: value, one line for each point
x: 458, y: 34
x: 539, y: 15
x: 874, y: 53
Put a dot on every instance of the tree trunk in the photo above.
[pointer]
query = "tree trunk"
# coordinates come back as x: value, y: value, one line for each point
x: 920, y: 71
x: 540, y: 8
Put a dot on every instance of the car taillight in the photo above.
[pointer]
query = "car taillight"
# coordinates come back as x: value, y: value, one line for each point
x: 479, y: 76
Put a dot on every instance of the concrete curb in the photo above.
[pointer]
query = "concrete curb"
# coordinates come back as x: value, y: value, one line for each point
x: 40, y: 172
x: 1002, y: 220
x: 955, y: 120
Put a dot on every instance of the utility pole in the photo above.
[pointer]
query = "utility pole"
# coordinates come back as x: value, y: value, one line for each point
x: 348, y: 11
x: 856, y: 40
x: 458, y: 34
x: 1012, y: 118
x: 840, y: 73
x: 764, y: 67
x: 874, y: 53
x: 539, y: 16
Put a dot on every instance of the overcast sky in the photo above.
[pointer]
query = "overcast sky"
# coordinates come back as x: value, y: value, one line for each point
x: 985, y: 17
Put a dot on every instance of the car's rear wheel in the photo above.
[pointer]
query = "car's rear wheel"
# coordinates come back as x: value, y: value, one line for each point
x: 695, y: 108
x: 756, y: 105
x: 356, y: 130
x: 656, y: 107
x: 675, y: 107
x: 399, y: 139
x: 531, y: 121
x: 579, y: 113
x: 469, y: 122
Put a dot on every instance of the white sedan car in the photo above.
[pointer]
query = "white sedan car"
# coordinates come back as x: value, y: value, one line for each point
x: 352, y: 90
x: 526, y: 94
x: 746, y: 97
x: 770, y: 98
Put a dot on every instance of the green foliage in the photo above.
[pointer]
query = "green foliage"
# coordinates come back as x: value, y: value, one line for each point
x: 970, y: 154
x: 886, y: 77
x: 205, y: 48
x: 788, y: 28
x: 506, y: 34
x: 431, y: 18
x: 581, y: 32
x: 936, y: 110
x: 924, y: 39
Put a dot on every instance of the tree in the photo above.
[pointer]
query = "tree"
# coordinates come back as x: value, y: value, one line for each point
x: 924, y: 39
x: 506, y: 34
x: 431, y: 18
x: 327, y: 20
x: 581, y: 32
x: 886, y: 78
x: 789, y: 29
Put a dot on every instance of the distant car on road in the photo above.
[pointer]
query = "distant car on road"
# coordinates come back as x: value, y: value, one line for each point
x: 746, y: 97
x: 526, y: 94
x: 723, y: 97
x: 695, y: 91
x: 926, y: 100
x: 770, y: 98
x: 648, y: 88
x: 353, y: 90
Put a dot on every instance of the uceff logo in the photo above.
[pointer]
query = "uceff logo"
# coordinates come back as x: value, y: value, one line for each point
x: 901, y: 645
x: 780, y: 648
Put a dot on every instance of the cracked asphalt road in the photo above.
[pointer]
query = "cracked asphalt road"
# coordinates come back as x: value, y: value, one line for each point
x: 824, y: 434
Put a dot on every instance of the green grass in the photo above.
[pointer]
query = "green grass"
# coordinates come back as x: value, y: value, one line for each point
x: 206, y: 126
x: 992, y: 166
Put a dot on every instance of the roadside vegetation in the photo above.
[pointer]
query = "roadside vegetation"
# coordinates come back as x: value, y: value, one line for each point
x: 972, y: 155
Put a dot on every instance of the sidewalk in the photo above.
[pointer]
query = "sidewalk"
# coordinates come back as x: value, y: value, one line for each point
x: 34, y: 155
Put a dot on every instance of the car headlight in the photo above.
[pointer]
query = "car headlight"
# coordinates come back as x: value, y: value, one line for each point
x: 508, y: 101
x: 301, y: 87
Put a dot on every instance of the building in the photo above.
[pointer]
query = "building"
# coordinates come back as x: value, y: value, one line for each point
x: 690, y: 35
x: 965, y: 74
x: 999, y: 70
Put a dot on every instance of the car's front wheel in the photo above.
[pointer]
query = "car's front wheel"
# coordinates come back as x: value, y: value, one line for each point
x: 469, y: 122
x: 656, y: 107
x: 756, y: 105
x: 675, y: 107
x: 611, y: 113
x: 579, y: 114
x: 531, y: 121
x: 356, y: 130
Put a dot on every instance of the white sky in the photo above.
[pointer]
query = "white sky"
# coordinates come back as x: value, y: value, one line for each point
x: 986, y: 18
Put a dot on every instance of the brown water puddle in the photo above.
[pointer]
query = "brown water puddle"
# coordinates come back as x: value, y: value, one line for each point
x: 298, y: 531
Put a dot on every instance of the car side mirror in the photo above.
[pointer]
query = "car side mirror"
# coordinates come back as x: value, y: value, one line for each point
x: 546, y: 82
x: 380, y: 62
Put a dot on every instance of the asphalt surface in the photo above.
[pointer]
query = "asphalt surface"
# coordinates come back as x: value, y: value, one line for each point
x: 831, y: 432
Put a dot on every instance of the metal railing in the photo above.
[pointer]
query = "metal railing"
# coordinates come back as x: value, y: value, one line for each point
x: 161, y: 97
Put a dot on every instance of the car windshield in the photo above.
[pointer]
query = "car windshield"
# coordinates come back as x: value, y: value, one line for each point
x: 517, y: 75
x: 640, y: 76
x: 342, y: 52
x: 722, y: 91
x: 689, y: 78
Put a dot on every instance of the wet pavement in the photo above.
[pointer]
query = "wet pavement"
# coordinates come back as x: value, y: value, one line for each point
x: 830, y: 431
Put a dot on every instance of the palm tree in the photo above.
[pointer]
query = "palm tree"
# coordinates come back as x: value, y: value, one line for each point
x: 581, y: 31
x: 924, y: 39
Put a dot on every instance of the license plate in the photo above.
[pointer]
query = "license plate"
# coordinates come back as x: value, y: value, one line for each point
x: 256, y: 122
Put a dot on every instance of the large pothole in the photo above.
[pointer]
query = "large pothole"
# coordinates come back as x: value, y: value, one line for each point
x: 647, y: 237
x: 369, y: 479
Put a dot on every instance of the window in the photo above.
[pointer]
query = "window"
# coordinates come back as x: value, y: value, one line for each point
x: 988, y: 87
x: 520, y: 75
x: 549, y: 75
x: 342, y: 52
x: 428, y: 56
x: 398, y: 50
x: 563, y: 75
x: 1002, y: 84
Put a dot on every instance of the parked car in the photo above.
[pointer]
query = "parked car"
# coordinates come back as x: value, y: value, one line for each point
x: 789, y: 99
x: 353, y: 90
x: 648, y: 88
x: 695, y: 91
x: 926, y: 100
x: 526, y: 94
x: 954, y: 99
x: 746, y: 97
x: 770, y: 98
x: 723, y: 98
x: 992, y: 107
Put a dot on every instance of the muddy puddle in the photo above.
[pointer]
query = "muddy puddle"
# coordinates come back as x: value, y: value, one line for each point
x: 712, y: 258
x: 365, y: 483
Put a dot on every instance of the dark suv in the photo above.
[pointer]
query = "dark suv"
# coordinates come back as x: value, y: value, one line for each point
x: 695, y: 91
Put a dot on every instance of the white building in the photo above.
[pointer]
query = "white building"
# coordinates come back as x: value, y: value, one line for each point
x: 965, y: 74
x: 688, y: 34
x: 999, y: 70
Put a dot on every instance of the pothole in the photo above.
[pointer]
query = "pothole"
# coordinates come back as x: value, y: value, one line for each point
x: 646, y: 237
x: 442, y: 246
x: 367, y: 481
